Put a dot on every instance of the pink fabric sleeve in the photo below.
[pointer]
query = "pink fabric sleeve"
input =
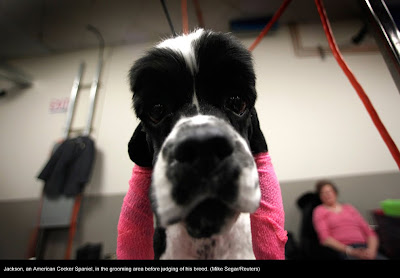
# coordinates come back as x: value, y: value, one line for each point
x: 267, y: 222
x: 135, y: 226
x: 319, y: 223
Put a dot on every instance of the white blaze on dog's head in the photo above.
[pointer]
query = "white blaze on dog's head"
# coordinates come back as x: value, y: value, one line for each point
x: 184, y: 45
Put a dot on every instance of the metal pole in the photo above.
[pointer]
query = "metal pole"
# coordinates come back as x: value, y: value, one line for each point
x: 386, y: 34
x: 95, y: 82
x: 92, y: 101
x: 72, y: 99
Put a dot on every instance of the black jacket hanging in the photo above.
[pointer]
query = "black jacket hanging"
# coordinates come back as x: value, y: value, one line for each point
x: 69, y: 168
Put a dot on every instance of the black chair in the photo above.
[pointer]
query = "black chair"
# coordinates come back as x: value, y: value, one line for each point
x: 310, y: 248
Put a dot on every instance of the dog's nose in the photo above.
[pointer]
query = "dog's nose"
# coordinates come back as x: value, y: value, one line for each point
x: 204, y: 147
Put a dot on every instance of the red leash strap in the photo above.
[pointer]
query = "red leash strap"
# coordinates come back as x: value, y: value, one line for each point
x: 199, y: 14
x: 270, y: 23
x: 185, y: 19
x: 360, y: 91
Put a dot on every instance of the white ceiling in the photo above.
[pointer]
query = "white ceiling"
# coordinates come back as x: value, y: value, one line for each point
x: 39, y: 27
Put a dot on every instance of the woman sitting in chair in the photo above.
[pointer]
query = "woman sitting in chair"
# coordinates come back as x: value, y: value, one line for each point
x: 342, y: 228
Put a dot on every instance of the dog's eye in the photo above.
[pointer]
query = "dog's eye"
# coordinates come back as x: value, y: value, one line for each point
x: 236, y: 104
x: 157, y: 113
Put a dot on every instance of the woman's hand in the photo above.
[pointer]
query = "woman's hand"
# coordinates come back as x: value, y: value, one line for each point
x: 362, y: 253
x: 369, y: 253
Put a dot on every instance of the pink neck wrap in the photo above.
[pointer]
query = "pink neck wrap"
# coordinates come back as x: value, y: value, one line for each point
x: 135, y: 227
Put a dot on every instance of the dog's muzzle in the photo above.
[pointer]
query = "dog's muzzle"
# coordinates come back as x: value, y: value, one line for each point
x: 205, y: 175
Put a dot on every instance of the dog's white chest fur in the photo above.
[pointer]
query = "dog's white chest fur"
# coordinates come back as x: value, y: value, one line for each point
x: 233, y: 244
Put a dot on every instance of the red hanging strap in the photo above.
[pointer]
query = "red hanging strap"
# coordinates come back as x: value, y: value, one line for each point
x: 270, y: 24
x: 199, y: 14
x: 185, y: 19
x: 360, y: 91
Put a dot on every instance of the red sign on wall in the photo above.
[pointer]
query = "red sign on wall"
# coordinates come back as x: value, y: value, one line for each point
x: 59, y: 105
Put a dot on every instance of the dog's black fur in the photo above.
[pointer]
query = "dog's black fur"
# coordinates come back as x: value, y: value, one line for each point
x: 163, y: 85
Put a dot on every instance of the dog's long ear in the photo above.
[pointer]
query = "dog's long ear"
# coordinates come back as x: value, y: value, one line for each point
x: 256, y: 137
x: 139, y: 149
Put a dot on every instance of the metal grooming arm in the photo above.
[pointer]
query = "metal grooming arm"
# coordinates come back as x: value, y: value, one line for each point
x: 386, y: 34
